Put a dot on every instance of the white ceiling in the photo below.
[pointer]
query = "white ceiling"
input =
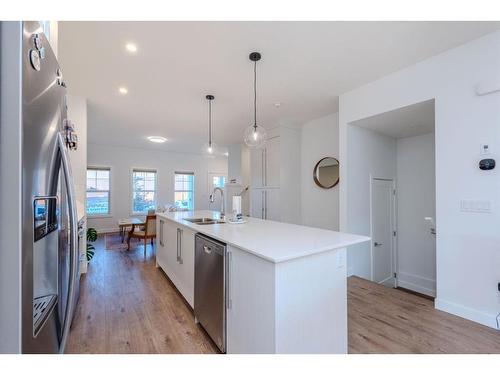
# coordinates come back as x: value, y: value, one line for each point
x: 409, y: 121
x: 304, y: 66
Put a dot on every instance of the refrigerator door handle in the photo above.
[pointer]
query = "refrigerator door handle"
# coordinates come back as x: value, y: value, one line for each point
x: 73, y: 221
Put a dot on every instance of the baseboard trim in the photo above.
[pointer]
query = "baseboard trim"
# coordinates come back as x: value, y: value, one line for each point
x: 416, y: 283
x: 107, y: 230
x: 466, y: 313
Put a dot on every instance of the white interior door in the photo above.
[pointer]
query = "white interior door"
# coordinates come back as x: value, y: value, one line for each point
x: 383, y: 224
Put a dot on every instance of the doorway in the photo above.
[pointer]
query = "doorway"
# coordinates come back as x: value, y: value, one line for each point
x: 383, y: 231
x: 392, y: 197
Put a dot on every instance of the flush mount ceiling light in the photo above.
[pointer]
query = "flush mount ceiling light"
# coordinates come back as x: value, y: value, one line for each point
x: 209, y: 148
x: 157, y: 139
x: 123, y: 90
x: 131, y: 47
x: 255, y: 136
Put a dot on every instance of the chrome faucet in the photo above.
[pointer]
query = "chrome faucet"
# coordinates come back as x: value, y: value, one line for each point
x: 223, y: 206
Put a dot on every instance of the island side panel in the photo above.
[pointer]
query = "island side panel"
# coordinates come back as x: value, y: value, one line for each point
x: 251, y: 316
x: 311, y: 304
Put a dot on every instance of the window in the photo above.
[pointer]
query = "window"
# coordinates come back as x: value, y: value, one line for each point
x: 218, y: 181
x: 143, y: 191
x: 98, y: 192
x: 184, y: 190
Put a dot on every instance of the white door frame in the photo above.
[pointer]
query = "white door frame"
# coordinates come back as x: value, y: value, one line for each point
x: 394, y: 241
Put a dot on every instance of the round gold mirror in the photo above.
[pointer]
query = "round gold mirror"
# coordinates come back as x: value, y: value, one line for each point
x: 326, y: 172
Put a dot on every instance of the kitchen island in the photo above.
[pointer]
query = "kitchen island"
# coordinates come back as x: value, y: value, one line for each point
x: 286, y: 283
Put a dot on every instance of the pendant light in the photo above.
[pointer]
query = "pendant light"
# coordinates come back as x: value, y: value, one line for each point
x: 209, y: 148
x: 255, y: 136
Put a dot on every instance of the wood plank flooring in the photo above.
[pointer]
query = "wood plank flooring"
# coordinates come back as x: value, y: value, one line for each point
x: 127, y: 305
x: 385, y: 320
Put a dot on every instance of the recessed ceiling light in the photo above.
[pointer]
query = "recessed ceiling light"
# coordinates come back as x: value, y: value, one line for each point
x: 123, y: 90
x: 277, y: 105
x: 157, y: 139
x: 226, y: 153
x: 131, y: 47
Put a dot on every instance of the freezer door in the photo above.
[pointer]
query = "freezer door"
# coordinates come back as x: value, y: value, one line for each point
x: 46, y: 210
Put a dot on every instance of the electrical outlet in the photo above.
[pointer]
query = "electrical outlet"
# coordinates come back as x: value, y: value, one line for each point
x: 340, y: 258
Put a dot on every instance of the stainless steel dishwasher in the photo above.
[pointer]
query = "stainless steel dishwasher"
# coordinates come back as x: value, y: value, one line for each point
x: 210, y: 288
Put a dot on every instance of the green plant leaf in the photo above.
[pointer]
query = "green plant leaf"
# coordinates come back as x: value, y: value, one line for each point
x: 91, y: 234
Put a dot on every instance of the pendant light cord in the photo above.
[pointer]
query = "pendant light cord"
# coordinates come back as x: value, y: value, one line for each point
x: 210, y: 123
x: 255, y: 95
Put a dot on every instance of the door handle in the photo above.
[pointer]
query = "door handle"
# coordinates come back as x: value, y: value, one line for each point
x: 207, y: 250
x: 73, y: 223
x: 377, y: 244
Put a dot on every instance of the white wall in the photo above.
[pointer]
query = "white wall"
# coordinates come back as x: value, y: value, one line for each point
x: 370, y: 154
x: 77, y: 113
x: 416, y: 200
x: 122, y: 160
x: 468, y: 244
x: 319, y: 207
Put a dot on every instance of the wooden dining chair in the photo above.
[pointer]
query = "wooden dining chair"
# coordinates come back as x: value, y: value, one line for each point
x: 149, y: 232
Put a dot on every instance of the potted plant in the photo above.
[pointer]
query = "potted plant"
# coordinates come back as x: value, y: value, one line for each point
x: 91, y: 237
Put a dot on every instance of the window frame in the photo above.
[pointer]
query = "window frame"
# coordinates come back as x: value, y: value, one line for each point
x: 185, y: 191
x: 110, y: 203
x: 131, y: 190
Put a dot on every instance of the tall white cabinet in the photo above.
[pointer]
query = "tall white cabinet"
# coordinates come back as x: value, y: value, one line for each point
x: 274, y: 178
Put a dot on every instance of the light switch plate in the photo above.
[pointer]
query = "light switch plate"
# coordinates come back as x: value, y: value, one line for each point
x: 485, y: 149
x: 475, y: 206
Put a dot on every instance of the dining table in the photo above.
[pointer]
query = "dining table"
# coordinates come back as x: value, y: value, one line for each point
x: 125, y: 224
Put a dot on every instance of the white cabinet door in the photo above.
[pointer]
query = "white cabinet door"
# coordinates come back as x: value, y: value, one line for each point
x: 250, y: 307
x: 272, y: 162
x: 185, y: 265
x: 160, y: 243
x: 257, y: 203
x: 170, y: 243
x: 257, y: 167
x: 272, y: 204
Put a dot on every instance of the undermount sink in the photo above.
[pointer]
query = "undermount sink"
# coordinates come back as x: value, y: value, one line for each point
x: 205, y: 221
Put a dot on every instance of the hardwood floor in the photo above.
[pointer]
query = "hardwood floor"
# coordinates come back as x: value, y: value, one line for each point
x: 385, y: 320
x: 127, y: 305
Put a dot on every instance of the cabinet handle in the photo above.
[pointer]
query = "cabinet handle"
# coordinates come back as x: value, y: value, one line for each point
x: 161, y: 233
x: 263, y: 182
x: 265, y: 205
x: 265, y: 165
x: 229, y: 300
x: 179, y: 245
x: 262, y: 204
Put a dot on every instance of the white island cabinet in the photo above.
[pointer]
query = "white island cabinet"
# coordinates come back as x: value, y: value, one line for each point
x: 175, y: 255
x: 286, y: 284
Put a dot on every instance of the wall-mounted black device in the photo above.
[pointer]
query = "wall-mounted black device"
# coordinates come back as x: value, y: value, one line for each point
x: 487, y: 164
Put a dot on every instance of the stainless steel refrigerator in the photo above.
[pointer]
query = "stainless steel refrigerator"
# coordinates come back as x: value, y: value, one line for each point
x: 49, y: 258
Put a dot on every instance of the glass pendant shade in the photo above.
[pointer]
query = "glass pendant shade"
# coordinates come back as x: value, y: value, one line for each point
x: 255, y: 136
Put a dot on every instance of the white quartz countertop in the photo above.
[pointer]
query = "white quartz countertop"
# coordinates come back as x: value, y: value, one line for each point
x: 271, y: 240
